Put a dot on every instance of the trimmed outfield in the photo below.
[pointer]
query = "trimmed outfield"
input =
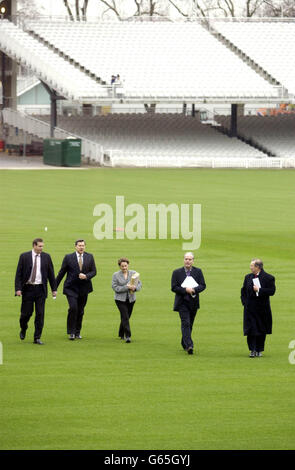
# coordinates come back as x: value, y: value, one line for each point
x: 101, y: 393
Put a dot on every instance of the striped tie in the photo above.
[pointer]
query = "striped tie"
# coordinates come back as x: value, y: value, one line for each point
x: 80, y: 262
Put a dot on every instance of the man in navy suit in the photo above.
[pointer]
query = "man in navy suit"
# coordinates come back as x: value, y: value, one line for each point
x: 33, y: 271
x: 80, y: 269
x: 258, y: 286
x: 187, y: 298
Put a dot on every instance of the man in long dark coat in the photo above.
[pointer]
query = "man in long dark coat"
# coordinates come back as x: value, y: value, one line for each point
x: 257, y: 288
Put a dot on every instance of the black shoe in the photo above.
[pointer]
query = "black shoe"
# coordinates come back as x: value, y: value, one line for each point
x: 22, y: 334
x: 78, y: 336
x: 190, y: 350
x: 252, y: 354
x: 128, y: 340
x: 72, y: 337
x: 38, y: 341
x: 258, y: 354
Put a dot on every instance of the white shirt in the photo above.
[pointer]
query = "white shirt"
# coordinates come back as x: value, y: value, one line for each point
x: 38, y: 279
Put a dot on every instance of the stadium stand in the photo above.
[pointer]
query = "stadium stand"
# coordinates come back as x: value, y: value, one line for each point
x: 161, y: 60
x: 265, y: 42
x: 275, y: 134
x: 158, y: 62
x: 46, y: 64
x: 127, y: 137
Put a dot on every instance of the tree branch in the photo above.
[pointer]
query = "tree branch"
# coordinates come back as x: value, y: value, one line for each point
x: 69, y: 10
x: 111, y: 7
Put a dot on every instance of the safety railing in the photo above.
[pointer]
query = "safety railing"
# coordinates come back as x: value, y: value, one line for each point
x: 91, y: 150
x: 115, y: 158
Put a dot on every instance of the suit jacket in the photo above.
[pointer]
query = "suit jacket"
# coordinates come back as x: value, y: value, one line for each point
x: 178, y: 276
x: 24, y: 269
x: 119, y: 285
x: 73, y: 286
x: 257, y: 311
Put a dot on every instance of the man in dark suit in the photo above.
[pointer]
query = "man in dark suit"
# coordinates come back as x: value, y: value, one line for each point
x: 33, y: 271
x: 80, y: 269
x: 187, y: 298
x: 257, y: 288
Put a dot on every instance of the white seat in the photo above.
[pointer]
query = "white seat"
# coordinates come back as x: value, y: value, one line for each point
x: 175, y: 70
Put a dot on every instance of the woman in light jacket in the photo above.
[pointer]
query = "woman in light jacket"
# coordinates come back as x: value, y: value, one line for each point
x: 124, y: 296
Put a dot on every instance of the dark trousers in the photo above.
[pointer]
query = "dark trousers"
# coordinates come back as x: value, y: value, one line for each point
x: 187, y: 317
x: 75, y: 313
x: 125, y: 309
x: 256, y: 342
x: 33, y: 297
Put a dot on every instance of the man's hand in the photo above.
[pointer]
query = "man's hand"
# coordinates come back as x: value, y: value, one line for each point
x: 18, y: 293
x: 190, y: 290
x: 54, y: 293
x: 82, y: 276
x: 256, y: 288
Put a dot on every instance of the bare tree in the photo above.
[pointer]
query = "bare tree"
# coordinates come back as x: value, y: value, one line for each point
x: 84, y: 9
x: 206, y: 8
x: 253, y: 7
x: 71, y: 16
x: 112, y: 7
x: 124, y: 9
x: 80, y: 10
x: 199, y: 8
x: 284, y: 8
x: 250, y: 8
x: 28, y: 9
x: 151, y: 8
x: 77, y: 9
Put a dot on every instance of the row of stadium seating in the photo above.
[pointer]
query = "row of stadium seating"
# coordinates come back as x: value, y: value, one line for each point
x: 274, y: 133
x: 180, y: 60
x: 49, y: 66
x: 157, y: 135
x: 267, y: 43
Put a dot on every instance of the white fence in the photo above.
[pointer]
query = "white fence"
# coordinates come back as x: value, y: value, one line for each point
x: 90, y: 149
x: 116, y: 158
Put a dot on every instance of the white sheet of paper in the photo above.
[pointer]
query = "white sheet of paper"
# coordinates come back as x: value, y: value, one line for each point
x: 189, y: 282
x: 256, y: 283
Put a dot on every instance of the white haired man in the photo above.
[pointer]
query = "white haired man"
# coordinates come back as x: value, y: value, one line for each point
x: 258, y: 286
x: 187, y: 282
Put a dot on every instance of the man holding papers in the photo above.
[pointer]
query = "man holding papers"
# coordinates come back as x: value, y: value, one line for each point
x: 257, y: 288
x: 187, y: 283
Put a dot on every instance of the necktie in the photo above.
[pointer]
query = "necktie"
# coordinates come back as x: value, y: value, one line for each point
x: 80, y: 262
x: 187, y: 296
x: 33, y: 277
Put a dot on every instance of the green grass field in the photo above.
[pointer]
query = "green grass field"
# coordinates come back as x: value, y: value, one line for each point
x: 100, y: 393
